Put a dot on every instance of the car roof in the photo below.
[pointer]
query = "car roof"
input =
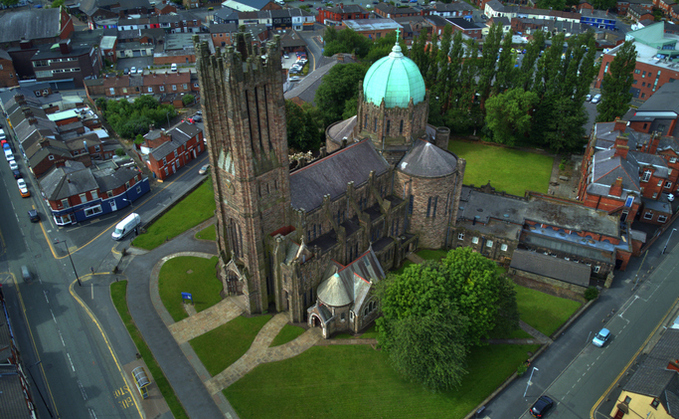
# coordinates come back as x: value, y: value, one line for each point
x: 604, y: 331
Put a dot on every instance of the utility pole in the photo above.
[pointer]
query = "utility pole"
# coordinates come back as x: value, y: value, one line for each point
x: 72, y: 264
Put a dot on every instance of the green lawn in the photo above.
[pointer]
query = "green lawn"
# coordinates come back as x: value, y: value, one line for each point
x: 118, y: 296
x: 508, y: 170
x: 370, y: 333
x: 543, y: 311
x: 208, y: 233
x: 197, y: 207
x: 356, y: 381
x: 429, y: 254
x: 221, y: 347
x: 287, y: 334
x: 189, y: 274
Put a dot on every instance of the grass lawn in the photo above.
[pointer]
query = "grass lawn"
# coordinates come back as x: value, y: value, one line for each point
x: 370, y: 333
x: 429, y: 254
x: 356, y: 381
x: 543, y: 311
x: 197, y: 207
x: 189, y: 274
x: 221, y: 347
x: 118, y: 293
x: 516, y: 172
x: 288, y: 333
x: 208, y: 233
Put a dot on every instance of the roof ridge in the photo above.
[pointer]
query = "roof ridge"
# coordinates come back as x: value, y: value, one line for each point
x: 328, y: 156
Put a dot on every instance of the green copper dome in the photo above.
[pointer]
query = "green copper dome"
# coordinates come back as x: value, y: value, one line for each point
x: 394, y: 78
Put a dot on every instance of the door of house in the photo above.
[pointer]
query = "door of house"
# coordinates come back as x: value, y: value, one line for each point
x: 114, y: 207
x: 623, y: 216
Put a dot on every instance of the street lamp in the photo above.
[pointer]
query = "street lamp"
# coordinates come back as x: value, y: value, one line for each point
x: 668, y: 240
x: 71, y: 259
x: 529, y: 381
x: 167, y: 114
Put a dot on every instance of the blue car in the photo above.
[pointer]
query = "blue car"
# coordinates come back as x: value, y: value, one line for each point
x: 601, y: 337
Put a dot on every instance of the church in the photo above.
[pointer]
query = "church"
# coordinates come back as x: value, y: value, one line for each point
x: 312, y: 241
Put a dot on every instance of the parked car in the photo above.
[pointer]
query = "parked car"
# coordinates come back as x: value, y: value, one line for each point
x: 23, y: 189
x: 173, y: 68
x: 133, y: 70
x: 13, y: 165
x: 33, y: 216
x: 596, y: 98
x: 541, y: 407
x: 16, y: 173
x: 203, y: 170
x: 197, y: 118
x: 126, y: 71
x: 601, y: 338
x: 588, y: 98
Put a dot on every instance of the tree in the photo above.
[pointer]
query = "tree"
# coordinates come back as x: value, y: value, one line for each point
x: 347, y: 41
x: 617, y: 82
x: 56, y: 4
x: 304, y: 133
x: 604, y: 4
x: 506, y: 72
x: 433, y: 313
x: 339, y: 85
x: 508, y: 115
x: 188, y: 99
x: 9, y: 2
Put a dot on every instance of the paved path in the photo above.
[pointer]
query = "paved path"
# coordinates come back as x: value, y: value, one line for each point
x: 211, y: 318
x: 537, y: 337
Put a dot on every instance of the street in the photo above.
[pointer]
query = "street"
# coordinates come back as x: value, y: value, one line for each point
x: 72, y: 341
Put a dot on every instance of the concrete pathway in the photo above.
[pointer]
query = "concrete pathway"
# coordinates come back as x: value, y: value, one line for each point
x: 537, y: 337
x: 211, y: 318
x: 260, y: 352
x: 414, y: 258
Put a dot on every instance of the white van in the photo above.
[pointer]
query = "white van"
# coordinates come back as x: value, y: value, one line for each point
x: 173, y: 68
x: 8, y: 154
x: 123, y: 228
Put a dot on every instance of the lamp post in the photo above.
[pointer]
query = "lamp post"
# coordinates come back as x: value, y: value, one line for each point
x: 529, y: 381
x: 71, y: 259
x: 167, y: 115
x: 668, y: 240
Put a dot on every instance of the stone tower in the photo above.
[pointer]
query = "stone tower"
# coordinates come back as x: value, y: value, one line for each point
x: 244, y: 109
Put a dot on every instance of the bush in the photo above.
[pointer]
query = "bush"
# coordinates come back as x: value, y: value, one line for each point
x: 188, y: 99
x: 120, y: 152
x: 521, y: 369
x: 591, y: 293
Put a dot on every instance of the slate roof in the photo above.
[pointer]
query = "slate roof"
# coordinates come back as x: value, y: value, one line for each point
x: 347, y: 8
x: 351, y: 283
x: 110, y: 179
x: 551, y: 267
x: 652, y: 378
x: 341, y: 130
x: 71, y: 179
x: 30, y: 24
x: 330, y: 175
x: 607, y: 168
x: 224, y: 28
x: 179, y: 135
x: 427, y: 160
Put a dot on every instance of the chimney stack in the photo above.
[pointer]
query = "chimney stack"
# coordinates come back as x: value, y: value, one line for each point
x: 654, y: 142
x: 616, y: 189
x: 621, y: 147
x: 620, y: 125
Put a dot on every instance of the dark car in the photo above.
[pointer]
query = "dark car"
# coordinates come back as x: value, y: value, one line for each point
x: 33, y: 216
x: 126, y: 71
x: 541, y: 407
x: 16, y: 173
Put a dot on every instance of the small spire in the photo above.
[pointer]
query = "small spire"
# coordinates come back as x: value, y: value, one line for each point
x: 396, y: 51
x: 398, y: 32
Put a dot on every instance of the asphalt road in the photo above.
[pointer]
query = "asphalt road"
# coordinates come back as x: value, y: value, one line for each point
x: 574, y: 372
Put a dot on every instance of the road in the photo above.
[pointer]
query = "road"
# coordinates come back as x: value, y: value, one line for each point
x: 574, y: 372
x: 72, y: 341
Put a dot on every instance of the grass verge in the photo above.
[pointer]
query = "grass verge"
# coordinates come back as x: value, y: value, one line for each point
x: 189, y: 274
x: 287, y: 334
x: 519, y: 172
x: 197, y: 207
x: 348, y: 371
x: 544, y: 312
x: 118, y: 295
x: 221, y: 347
x: 208, y: 233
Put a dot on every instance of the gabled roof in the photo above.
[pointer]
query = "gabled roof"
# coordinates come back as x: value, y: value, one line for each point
x: 330, y: 175
x: 69, y: 180
x: 427, y: 160
x: 30, y: 24
x: 607, y: 168
x: 109, y: 180
x: 351, y: 283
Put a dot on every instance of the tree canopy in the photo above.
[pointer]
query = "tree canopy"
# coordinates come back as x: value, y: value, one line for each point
x: 345, y: 40
x: 339, y: 85
x: 131, y: 118
x: 508, y: 115
x: 304, y: 130
x: 617, y: 83
x: 433, y: 313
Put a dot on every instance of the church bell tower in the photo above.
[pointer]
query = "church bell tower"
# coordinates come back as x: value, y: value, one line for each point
x: 244, y: 112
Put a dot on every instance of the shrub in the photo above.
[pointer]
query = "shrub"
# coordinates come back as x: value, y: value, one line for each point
x: 521, y: 370
x: 120, y: 152
x: 591, y: 293
x: 188, y: 99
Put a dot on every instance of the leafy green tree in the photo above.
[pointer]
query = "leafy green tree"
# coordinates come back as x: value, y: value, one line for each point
x: 347, y: 41
x: 551, y: 4
x: 9, y: 2
x: 617, y: 82
x: 304, y: 133
x: 188, y: 99
x: 604, y: 4
x: 56, y: 4
x: 488, y: 62
x: 339, y: 85
x: 508, y: 115
x: 506, y: 72
x: 530, y: 58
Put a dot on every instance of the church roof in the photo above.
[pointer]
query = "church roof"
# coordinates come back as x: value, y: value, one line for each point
x: 427, y: 160
x: 351, y: 283
x: 332, y: 292
x: 330, y: 175
x: 394, y: 79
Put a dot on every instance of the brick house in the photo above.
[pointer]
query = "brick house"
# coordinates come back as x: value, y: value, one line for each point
x: 165, y: 152
x: 659, y: 114
x: 221, y: 33
x: 8, y: 76
x: 68, y: 66
x: 164, y: 8
x: 637, y: 13
x: 372, y: 28
x: 388, y: 11
x: 466, y: 27
x: 629, y: 173
x: 656, y: 60
x: 623, y: 6
x: 455, y: 9
x: 333, y: 16
x: 76, y: 193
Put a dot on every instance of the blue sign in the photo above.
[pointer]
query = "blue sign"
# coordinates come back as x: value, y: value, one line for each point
x: 187, y: 296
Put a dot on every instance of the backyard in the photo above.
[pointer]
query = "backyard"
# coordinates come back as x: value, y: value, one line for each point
x: 510, y: 170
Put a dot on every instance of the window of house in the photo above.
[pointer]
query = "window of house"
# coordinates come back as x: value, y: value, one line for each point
x: 127, y: 185
x: 94, y: 194
x: 167, y: 172
x: 89, y: 212
x: 460, y: 236
x: 164, y: 161
x: 109, y: 194
x: 162, y: 88
x: 150, y: 89
x: 648, y: 215
x: 489, y: 243
x: 668, y: 184
x: 647, y: 176
x: 660, y: 182
x: 83, y: 197
x: 628, y: 399
x: 673, y: 159
x: 662, y: 218
x: 503, y: 247
x: 175, y: 154
x: 174, y: 87
x: 138, y: 189
x: 50, y: 157
x: 597, y: 269
x: 343, y: 317
x: 655, y: 195
x: 64, y: 203
x: 475, y: 240
x: 655, y: 403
